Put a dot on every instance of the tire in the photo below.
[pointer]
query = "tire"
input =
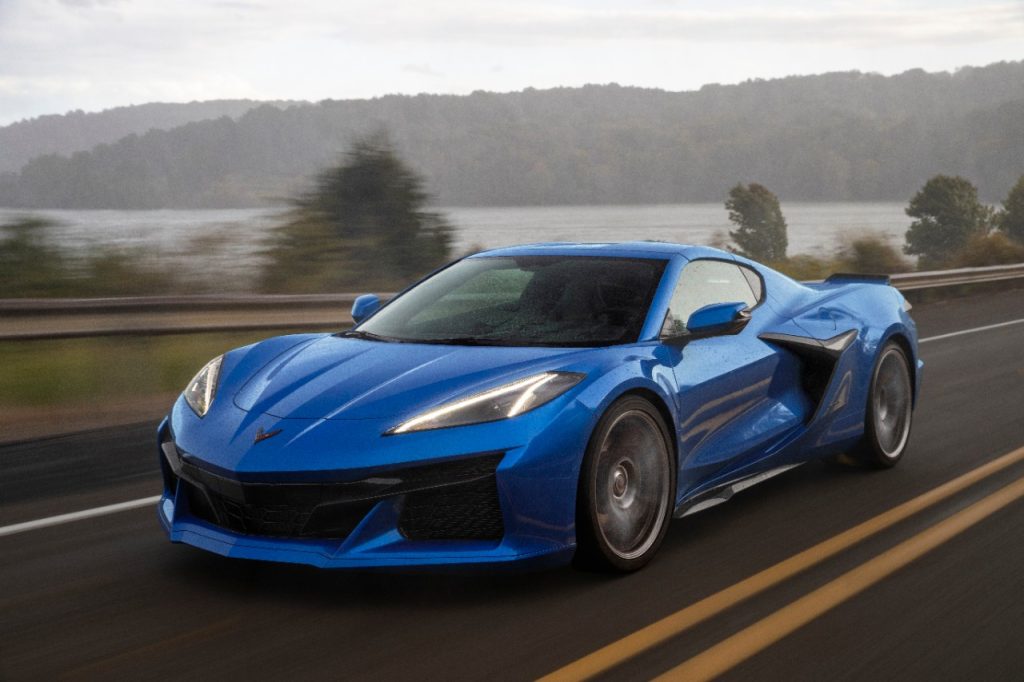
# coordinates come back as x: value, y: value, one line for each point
x: 626, y: 491
x: 889, y: 410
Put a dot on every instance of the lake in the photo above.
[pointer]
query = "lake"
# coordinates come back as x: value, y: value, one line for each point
x: 228, y: 241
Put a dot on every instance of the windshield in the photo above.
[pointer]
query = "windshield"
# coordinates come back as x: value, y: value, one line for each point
x: 520, y: 301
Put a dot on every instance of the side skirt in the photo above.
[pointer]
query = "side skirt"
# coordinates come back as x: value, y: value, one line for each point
x: 722, y: 493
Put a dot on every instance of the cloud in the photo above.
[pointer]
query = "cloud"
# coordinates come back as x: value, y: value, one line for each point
x: 422, y: 70
x: 530, y: 24
x: 86, y: 3
x: 94, y: 53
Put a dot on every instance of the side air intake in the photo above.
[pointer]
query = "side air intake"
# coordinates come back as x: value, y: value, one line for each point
x: 818, y: 359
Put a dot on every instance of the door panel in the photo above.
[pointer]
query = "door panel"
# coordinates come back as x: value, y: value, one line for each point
x: 736, y: 394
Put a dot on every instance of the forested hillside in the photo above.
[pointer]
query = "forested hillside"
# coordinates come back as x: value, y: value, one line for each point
x: 79, y: 131
x: 838, y: 136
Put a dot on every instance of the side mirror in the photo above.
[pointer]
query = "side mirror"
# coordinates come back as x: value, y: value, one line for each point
x: 718, y: 319
x: 364, y: 306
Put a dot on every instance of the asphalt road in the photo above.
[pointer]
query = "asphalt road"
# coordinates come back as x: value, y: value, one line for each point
x: 110, y: 598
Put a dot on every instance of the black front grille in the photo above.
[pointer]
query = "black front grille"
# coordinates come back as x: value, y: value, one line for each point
x: 449, y: 500
x: 280, y: 520
x: 295, y: 519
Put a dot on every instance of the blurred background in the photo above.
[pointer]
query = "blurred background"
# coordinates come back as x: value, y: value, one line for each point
x: 341, y: 148
x: 847, y: 171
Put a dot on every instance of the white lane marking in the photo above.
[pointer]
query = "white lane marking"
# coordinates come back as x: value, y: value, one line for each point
x: 78, y: 515
x: 145, y: 501
x: 971, y: 331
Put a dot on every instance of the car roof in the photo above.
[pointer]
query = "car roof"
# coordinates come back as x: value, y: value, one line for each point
x: 635, y: 249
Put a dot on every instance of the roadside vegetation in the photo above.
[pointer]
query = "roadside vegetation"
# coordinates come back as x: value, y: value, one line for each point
x: 32, y: 266
x: 365, y: 225
x: 761, y: 232
x: 952, y: 228
x: 761, y: 235
x: 88, y: 370
x: 947, y: 215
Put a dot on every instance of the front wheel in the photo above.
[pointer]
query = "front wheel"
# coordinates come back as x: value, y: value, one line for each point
x: 626, y: 488
x: 889, y: 410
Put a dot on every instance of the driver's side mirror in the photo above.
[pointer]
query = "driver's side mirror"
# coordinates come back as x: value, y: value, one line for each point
x: 364, y: 306
x: 716, y: 319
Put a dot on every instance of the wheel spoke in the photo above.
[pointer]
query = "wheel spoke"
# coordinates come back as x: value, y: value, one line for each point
x: 892, y: 403
x: 632, y: 484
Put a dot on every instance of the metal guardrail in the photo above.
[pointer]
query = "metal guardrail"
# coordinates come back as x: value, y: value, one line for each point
x: 913, y: 281
x: 68, y: 318
x: 129, y: 304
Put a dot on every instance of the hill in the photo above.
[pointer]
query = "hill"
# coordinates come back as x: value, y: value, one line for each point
x: 79, y: 131
x: 837, y: 136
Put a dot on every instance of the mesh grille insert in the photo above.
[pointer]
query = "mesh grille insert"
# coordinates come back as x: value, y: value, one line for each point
x: 467, y: 511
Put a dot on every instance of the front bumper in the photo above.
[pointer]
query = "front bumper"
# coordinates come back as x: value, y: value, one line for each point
x: 491, y: 494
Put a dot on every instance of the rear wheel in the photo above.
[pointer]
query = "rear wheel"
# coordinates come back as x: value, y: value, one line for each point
x: 626, y: 488
x: 889, y: 410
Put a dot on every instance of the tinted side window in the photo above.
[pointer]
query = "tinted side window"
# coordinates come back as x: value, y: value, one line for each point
x: 702, y: 283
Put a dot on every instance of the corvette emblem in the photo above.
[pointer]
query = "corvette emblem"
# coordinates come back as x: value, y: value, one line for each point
x: 262, y: 435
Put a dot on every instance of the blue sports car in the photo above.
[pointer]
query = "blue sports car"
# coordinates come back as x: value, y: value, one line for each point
x: 535, y: 404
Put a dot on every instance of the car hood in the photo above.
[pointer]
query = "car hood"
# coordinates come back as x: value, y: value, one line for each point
x: 344, y: 378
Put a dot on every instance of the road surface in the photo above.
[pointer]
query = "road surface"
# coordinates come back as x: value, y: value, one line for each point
x: 110, y: 598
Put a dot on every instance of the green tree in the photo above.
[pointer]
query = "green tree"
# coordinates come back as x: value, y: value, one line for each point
x: 1011, y: 218
x: 363, y: 226
x: 29, y: 264
x: 762, y: 228
x: 948, y: 214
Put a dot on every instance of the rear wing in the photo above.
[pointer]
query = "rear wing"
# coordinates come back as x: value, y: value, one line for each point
x: 853, y: 278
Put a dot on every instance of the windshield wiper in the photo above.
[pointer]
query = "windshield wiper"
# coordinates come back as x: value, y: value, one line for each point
x: 464, y: 341
x: 360, y: 334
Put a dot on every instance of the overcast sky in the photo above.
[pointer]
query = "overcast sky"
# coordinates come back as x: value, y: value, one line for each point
x: 59, y: 55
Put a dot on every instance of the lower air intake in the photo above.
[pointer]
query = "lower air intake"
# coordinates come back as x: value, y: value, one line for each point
x: 451, y: 500
x: 467, y: 511
x: 296, y: 518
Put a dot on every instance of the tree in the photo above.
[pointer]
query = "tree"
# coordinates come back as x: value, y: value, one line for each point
x: 29, y: 263
x: 762, y: 229
x: 363, y: 226
x: 1011, y: 218
x: 948, y: 213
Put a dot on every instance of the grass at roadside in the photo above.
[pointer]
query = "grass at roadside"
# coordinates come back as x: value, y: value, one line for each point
x: 84, y: 371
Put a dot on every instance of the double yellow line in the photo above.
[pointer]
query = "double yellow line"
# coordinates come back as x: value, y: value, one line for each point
x: 747, y: 642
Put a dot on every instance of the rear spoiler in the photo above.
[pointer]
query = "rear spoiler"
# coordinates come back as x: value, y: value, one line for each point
x: 854, y: 278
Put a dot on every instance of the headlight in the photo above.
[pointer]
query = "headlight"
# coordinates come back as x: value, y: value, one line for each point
x: 201, y: 390
x: 498, y: 403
